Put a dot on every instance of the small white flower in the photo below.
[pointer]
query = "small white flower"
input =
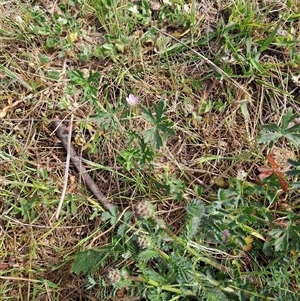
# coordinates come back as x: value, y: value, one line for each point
x: 186, y: 8
x: 241, y: 175
x: 19, y: 19
x: 134, y: 10
x: 132, y: 100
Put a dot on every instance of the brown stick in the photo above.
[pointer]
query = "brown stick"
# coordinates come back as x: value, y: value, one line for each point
x: 62, y: 134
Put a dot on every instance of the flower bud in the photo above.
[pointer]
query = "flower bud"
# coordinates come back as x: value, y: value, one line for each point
x: 112, y: 275
x: 132, y: 100
x: 142, y: 210
x: 143, y: 241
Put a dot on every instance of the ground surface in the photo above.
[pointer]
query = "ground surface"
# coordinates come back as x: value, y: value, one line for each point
x: 237, y: 69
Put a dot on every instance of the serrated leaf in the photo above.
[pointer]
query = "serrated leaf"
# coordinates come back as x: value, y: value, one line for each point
x: 271, y: 127
x: 168, y: 130
x: 127, y: 216
x: 287, y: 238
x: 287, y: 118
x: 151, y: 274
x: 122, y: 230
x: 160, y: 110
x: 111, y: 215
x: 281, y: 242
x: 293, y: 138
x: 294, y: 163
x: 162, y: 126
x: 213, y: 294
x: 195, y: 208
x: 153, y: 137
x: 105, y: 119
x: 269, y: 138
x: 87, y: 261
x: 148, y: 255
x: 296, y: 185
x: 293, y: 173
x: 293, y: 129
x: 148, y: 116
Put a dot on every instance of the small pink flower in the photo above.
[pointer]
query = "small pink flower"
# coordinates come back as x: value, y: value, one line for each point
x: 225, y: 232
x: 132, y: 100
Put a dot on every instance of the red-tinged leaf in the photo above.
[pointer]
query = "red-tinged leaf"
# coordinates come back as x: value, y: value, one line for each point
x: 272, y: 161
x: 265, y: 172
x: 275, y: 169
x: 281, y: 180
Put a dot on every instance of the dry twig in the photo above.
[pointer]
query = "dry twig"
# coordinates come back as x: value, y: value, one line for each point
x: 67, y: 168
x: 63, y: 134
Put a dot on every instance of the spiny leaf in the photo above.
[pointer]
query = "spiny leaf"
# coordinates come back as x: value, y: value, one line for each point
x: 148, y: 255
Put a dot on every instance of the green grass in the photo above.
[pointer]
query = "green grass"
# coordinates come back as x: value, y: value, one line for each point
x: 218, y: 89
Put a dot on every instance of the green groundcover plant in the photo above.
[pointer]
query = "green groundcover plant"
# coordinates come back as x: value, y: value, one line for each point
x: 176, y: 105
x: 234, y: 246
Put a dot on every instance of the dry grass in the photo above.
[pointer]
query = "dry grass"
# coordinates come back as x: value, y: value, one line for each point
x: 36, y: 249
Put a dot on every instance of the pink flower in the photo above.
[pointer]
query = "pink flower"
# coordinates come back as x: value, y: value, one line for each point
x: 225, y: 232
x: 132, y: 100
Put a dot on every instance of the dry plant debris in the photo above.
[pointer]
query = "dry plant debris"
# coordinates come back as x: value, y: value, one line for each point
x: 169, y: 99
